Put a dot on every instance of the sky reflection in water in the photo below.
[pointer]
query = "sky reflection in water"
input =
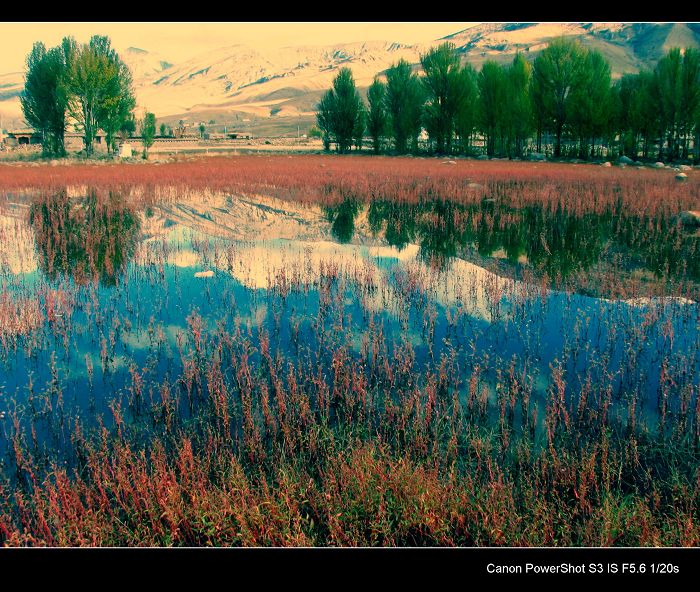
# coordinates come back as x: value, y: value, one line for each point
x: 484, y: 287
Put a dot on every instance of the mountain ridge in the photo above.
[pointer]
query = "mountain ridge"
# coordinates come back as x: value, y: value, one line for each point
x: 239, y: 83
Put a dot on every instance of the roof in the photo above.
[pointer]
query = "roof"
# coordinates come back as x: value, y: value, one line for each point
x: 23, y: 131
x: 99, y: 132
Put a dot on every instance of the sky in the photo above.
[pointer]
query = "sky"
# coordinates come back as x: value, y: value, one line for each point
x: 179, y: 41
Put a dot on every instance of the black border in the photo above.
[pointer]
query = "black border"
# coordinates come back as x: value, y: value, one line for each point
x: 439, y: 567
x: 232, y: 568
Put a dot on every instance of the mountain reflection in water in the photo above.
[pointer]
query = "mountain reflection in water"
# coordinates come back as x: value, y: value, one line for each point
x: 606, y: 299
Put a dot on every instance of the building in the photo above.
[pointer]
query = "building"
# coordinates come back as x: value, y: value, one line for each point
x: 228, y: 136
x: 74, y: 141
x: 22, y: 137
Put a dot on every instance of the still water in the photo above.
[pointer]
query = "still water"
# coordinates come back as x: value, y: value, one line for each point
x: 102, y: 303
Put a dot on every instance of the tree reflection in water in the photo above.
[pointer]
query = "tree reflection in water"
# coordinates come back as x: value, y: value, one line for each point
x: 89, y: 238
x: 558, y: 245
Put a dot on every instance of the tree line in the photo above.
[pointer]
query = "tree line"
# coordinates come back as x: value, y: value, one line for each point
x: 87, y: 83
x: 565, y: 98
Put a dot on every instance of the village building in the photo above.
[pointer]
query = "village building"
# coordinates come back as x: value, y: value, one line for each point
x: 74, y: 141
x: 22, y: 137
x: 228, y: 136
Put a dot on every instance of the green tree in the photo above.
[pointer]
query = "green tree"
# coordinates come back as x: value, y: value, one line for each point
x: 466, y: 116
x: 444, y: 94
x: 696, y: 139
x: 128, y: 127
x: 346, y: 109
x: 324, y: 118
x: 624, y: 91
x: 44, y: 99
x: 376, y: 117
x: 556, y: 74
x: 492, y: 87
x: 539, y: 111
x: 314, y: 132
x: 668, y: 90
x: 358, y: 131
x: 118, y: 103
x: 340, y: 112
x: 148, y: 132
x: 677, y: 95
x: 98, y: 93
x: 518, y: 108
x: 404, y: 102
x: 638, y: 114
x: 690, y: 97
x: 590, y: 102
x: 163, y: 129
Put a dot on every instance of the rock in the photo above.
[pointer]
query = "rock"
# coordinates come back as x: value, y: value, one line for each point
x: 448, y: 162
x: 537, y: 156
x: 624, y: 160
x: 606, y: 164
x: 659, y: 165
x: 638, y: 163
x: 690, y: 218
x: 204, y: 274
x: 685, y: 167
x: 681, y: 177
x: 483, y: 157
x: 473, y: 185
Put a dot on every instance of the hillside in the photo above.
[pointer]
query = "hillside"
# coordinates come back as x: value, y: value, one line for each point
x: 275, y: 91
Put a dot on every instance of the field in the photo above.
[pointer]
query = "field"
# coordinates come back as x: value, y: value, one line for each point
x: 279, y: 350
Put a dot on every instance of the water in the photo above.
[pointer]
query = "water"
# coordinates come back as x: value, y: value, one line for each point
x: 102, y: 307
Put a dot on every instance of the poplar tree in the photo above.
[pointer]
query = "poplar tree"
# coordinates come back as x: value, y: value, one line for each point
x: 443, y: 92
x: 466, y: 116
x: 556, y: 74
x: 404, y: 102
x: 99, y: 86
x: 44, y: 99
x: 491, y: 82
x: 340, y: 112
x: 376, y: 116
x: 148, y: 132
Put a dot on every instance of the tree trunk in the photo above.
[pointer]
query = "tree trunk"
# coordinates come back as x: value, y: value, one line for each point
x: 557, y: 147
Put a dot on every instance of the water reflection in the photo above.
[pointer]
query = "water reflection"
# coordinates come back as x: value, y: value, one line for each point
x: 342, y: 218
x: 370, y: 279
x: 557, y: 245
x: 88, y: 238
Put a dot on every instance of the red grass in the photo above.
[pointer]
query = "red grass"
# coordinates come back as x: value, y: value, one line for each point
x: 329, y: 179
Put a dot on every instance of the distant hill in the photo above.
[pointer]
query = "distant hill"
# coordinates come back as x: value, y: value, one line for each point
x: 275, y: 91
x: 627, y: 46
